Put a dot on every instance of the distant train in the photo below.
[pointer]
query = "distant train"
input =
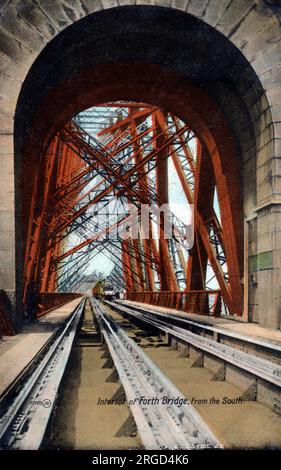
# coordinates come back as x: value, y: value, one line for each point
x: 104, y: 290
x: 109, y: 292
x: 98, y: 289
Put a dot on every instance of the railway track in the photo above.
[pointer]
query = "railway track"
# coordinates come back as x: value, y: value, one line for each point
x: 164, y: 416
x: 25, y: 408
x: 256, y: 366
x: 152, y: 397
x: 187, y: 324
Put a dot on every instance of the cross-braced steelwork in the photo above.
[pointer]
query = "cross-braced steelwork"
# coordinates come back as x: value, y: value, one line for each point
x: 109, y: 174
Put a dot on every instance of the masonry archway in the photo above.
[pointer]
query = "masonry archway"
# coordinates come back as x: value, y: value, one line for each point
x: 109, y: 56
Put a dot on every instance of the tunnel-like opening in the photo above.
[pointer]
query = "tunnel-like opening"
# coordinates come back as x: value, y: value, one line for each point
x: 173, y: 62
x: 122, y: 181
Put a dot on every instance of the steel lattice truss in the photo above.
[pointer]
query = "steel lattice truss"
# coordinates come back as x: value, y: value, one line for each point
x: 107, y: 160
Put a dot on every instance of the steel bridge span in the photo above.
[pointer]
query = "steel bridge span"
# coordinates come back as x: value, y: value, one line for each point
x: 91, y: 187
x: 141, y: 151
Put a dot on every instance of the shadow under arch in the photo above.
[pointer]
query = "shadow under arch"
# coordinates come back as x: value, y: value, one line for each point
x: 149, y: 54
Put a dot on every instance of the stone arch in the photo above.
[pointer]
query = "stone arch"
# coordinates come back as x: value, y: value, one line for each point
x: 252, y: 26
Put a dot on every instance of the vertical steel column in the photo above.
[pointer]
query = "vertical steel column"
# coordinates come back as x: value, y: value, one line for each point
x: 127, y: 273
x: 138, y: 264
x: 38, y: 209
x: 167, y: 275
x: 145, y: 242
x: 204, y: 185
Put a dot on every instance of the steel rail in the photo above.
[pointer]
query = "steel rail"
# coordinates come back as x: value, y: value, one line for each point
x: 255, y: 365
x: 161, y: 426
x: 27, y: 405
x: 174, y: 318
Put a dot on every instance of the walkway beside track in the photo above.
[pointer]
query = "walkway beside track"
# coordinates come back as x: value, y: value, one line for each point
x: 17, y: 351
x: 234, y: 326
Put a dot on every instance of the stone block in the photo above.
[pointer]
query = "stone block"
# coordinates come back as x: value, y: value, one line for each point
x: 276, y: 129
x: 7, y: 106
x: 253, y: 22
x: 7, y: 227
x: 92, y: 5
x: 275, y: 165
x: 10, y: 47
x: 263, y: 39
x: 7, y: 270
x: 268, y: 59
x: 258, y: 108
x: 12, y: 69
x: 214, y: 11
x: 55, y: 13
x: 271, y: 78
x: 197, y: 8
x: 264, y: 144
x: 6, y: 145
x: 126, y: 2
x: 254, y: 96
x: 147, y: 2
x: 37, y: 18
x: 7, y: 164
x: 264, y: 193
x: 269, y: 315
x: 20, y: 30
x: 276, y: 111
x: 233, y: 15
x: 6, y: 124
x: 73, y: 9
x: 276, y: 184
x: 274, y: 94
x: 6, y: 183
x: 9, y: 87
x: 262, y: 122
x: 7, y: 199
x: 179, y: 4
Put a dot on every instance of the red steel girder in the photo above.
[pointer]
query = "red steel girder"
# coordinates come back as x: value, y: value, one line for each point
x: 122, y: 179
